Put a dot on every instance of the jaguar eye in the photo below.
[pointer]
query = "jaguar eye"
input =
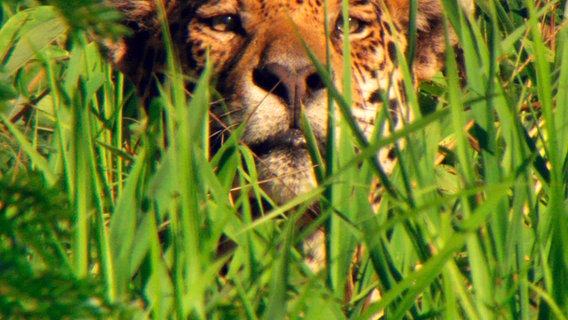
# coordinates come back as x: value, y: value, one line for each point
x: 355, y: 25
x: 225, y: 23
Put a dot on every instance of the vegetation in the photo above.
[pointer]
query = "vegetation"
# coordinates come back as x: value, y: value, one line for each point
x: 100, y: 218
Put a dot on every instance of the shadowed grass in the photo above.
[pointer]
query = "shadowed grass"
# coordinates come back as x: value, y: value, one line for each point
x: 113, y: 217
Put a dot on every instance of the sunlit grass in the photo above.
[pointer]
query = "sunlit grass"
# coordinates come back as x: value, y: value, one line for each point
x: 106, y: 214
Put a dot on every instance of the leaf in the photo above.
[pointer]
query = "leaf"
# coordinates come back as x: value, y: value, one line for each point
x: 25, y: 34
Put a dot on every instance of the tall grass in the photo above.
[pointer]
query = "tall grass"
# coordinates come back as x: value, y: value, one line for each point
x: 101, y: 218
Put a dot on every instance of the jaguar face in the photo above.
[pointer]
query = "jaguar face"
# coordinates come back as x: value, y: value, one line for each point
x: 259, y: 50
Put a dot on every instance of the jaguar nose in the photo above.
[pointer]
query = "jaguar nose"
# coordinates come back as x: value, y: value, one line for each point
x: 293, y: 85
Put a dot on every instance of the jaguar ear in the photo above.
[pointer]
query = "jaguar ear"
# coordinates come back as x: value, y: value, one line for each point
x: 431, y: 36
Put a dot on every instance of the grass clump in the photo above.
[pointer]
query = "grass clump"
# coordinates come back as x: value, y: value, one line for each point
x: 100, y: 217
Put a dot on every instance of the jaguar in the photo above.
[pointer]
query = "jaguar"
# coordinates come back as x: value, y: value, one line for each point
x: 263, y: 52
